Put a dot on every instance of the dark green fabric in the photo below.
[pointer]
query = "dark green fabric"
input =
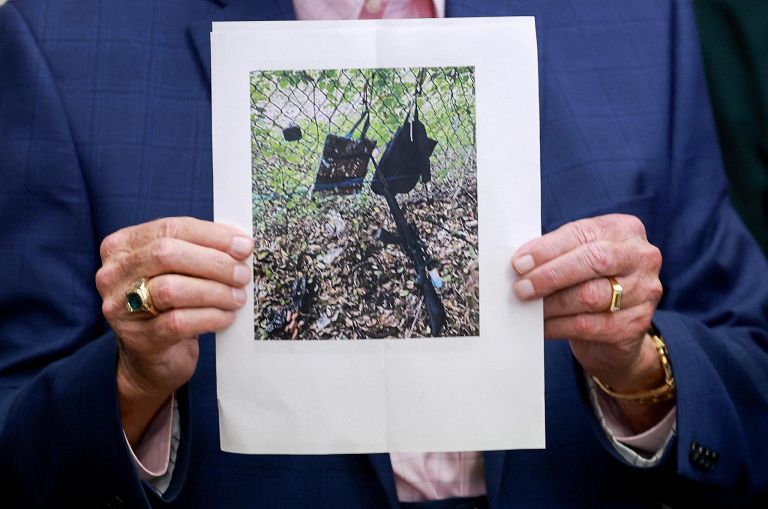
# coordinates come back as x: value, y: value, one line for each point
x: 734, y: 39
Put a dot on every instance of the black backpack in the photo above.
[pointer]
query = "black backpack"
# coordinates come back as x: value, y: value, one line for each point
x: 345, y: 160
x: 406, y: 158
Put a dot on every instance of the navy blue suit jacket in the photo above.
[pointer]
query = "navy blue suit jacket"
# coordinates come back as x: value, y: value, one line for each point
x: 105, y: 122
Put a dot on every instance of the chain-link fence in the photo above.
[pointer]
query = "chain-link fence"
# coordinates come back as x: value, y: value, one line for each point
x: 329, y: 237
x: 326, y: 102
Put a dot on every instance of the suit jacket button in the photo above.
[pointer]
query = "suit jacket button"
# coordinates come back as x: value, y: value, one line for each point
x: 115, y: 503
x: 702, y: 458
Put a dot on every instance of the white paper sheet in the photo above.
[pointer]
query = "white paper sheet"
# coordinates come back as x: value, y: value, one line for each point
x: 375, y: 395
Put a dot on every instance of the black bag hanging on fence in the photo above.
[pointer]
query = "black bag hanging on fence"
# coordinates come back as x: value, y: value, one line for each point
x: 292, y: 133
x: 406, y: 158
x: 345, y: 160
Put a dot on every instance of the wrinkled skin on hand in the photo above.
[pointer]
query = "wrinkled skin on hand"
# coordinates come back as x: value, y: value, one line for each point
x: 569, y: 269
x: 196, y: 275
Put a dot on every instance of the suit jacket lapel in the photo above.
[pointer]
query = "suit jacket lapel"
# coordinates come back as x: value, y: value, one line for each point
x: 494, y: 470
x: 232, y: 10
x: 200, y: 36
x: 383, y: 467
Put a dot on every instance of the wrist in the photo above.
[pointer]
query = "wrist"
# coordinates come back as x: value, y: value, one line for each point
x: 645, y: 373
x: 648, y: 393
x: 137, y: 405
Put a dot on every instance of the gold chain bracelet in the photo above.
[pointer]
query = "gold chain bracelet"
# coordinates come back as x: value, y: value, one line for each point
x: 660, y: 394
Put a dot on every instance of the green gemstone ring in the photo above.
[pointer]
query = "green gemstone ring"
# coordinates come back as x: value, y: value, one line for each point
x: 138, y: 300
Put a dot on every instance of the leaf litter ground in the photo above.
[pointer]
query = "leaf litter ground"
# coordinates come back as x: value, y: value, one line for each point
x: 364, y: 288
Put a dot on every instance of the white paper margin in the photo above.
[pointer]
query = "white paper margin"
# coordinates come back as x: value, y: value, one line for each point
x: 430, y: 394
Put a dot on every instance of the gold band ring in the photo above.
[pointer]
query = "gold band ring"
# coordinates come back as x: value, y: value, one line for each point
x: 616, y: 290
x: 138, y: 299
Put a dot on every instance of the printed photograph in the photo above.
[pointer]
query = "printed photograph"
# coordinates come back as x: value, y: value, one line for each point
x: 364, y: 187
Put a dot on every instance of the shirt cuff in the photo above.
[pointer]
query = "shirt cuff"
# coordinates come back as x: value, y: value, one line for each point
x: 649, y: 441
x: 641, y: 450
x: 152, y: 455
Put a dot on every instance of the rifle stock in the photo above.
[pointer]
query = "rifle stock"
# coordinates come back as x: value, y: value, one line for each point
x: 435, y: 308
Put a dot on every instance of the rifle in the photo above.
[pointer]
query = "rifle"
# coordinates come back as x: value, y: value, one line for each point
x: 415, y: 249
x: 404, y: 162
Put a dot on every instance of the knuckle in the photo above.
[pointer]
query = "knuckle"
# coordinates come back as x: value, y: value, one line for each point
x: 544, y: 245
x: 582, y: 325
x: 584, y: 231
x: 109, y: 309
x: 620, y: 223
x: 127, y: 264
x: 103, y: 280
x: 636, y: 323
x: 655, y: 257
x: 604, y: 224
x: 550, y: 276
x: 170, y: 226
x: 656, y: 291
x: 106, y: 277
x: 162, y: 252
x: 639, y: 325
x: 176, y: 324
x: 163, y: 293
x: 597, y: 258
x: 591, y: 297
x: 110, y: 244
x: 634, y: 224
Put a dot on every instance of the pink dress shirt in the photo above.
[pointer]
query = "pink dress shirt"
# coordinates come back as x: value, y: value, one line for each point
x: 368, y: 9
x: 430, y: 475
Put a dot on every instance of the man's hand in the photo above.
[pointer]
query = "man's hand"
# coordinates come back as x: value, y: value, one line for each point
x: 569, y: 268
x: 196, y: 276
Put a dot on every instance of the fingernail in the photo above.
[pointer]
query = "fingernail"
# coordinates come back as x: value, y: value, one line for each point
x: 242, y: 274
x: 524, y: 264
x: 523, y: 289
x: 241, y: 246
x: 238, y: 295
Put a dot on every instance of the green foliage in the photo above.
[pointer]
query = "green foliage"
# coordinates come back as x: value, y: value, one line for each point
x: 320, y: 102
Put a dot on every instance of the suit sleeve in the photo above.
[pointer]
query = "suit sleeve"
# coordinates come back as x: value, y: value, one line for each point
x: 60, y: 434
x: 714, y: 314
